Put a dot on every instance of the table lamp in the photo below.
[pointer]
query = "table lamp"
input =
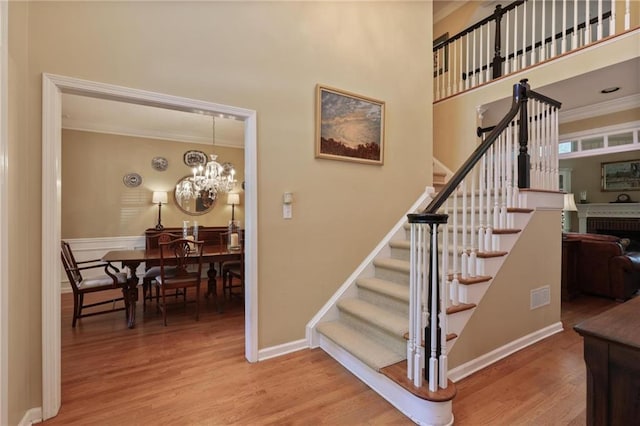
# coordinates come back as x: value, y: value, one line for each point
x: 233, y: 199
x: 569, y: 206
x: 159, y: 197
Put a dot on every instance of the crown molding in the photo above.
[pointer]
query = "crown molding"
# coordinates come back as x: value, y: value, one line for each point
x: 116, y: 129
x: 602, y: 108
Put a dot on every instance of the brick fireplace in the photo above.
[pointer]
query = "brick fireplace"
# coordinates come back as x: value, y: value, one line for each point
x: 619, y: 219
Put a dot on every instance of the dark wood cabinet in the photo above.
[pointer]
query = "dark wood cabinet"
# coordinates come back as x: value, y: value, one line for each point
x: 569, y: 278
x: 612, y: 357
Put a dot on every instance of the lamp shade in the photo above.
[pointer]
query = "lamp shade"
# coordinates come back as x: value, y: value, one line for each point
x: 569, y: 203
x: 233, y: 198
x: 159, y: 197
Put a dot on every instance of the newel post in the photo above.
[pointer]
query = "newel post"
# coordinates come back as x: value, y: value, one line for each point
x: 521, y: 95
x: 497, y: 46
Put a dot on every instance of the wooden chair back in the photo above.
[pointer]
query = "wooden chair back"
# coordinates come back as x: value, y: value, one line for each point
x: 180, y: 253
x: 70, y: 265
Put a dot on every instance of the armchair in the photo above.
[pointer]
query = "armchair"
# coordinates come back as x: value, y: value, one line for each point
x: 605, y: 268
x: 112, y: 279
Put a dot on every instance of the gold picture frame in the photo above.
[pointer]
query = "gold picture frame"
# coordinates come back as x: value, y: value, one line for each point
x: 621, y: 175
x: 349, y: 127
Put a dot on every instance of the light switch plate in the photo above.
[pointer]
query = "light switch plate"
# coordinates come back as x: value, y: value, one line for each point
x: 287, y: 211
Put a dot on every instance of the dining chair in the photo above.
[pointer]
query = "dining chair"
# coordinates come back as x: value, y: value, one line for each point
x: 232, y: 269
x: 154, y: 271
x: 175, y: 258
x: 112, y: 279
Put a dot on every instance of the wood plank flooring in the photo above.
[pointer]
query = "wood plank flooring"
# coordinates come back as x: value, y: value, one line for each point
x: 195, y: 373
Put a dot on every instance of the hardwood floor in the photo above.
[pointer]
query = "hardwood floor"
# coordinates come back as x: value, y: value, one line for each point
x: 195, y: 373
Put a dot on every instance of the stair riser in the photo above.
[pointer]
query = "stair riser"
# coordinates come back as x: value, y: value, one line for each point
x: 395, y: 343
x: 386, y: 302
x: 472, y: 293
x: 400, y: 253
x: 392, y: 275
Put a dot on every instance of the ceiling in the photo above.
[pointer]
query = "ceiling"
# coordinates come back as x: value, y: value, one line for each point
x: 114, y: 117
x: 582, y: 91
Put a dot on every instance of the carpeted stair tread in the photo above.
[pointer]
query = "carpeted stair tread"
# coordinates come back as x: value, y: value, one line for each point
x: 393, y: 264
x: 359, y: 345
x: 390, y: 322
x: 386, y: 288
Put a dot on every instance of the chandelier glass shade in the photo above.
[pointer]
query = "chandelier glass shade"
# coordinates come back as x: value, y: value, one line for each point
x: 209, y: 179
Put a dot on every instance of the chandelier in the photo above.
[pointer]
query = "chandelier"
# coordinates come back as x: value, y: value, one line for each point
x: 209, y: 179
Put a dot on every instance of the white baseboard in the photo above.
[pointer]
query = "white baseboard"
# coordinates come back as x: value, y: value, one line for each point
x: 487, y: 359
x: 33, y: 415
x: 420, y: 411
x: 283, y: 349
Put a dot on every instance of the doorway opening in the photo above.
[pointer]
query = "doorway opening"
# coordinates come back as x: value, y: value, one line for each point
x: 53, y: 88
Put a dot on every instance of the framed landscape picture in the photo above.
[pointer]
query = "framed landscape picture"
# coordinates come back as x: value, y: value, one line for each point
x: 349, y: 127
x: 621, y: 176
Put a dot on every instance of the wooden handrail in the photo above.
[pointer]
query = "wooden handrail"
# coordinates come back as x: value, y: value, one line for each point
x: 521, y: 94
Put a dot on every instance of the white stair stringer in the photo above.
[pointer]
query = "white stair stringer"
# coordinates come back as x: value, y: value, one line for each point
x: 363, y: 324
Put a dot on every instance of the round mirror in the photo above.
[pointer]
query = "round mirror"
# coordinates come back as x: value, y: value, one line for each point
x: 201, y: 204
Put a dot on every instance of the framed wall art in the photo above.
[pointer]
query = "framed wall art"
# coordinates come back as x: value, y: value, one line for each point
x: 621, y: 176
x: 349, y: 127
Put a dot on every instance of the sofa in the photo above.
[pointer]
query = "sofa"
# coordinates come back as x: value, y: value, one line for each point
x: 605, y: 267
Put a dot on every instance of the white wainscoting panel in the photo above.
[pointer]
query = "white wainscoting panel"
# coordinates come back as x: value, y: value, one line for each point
x: 94, y: 248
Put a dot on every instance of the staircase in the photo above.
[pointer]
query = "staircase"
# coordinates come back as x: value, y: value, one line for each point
x: 366, y: 325
x: 372, y: 320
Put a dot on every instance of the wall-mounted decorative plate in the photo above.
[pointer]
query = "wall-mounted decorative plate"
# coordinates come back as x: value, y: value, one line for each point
x: 159, y: 163
x: 195, y: 158
x: 132, y: 180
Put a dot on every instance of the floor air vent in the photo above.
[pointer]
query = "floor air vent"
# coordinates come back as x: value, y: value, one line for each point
x: 540, y: 297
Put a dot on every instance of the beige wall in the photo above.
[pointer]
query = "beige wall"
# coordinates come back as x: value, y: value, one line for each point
x: 266, y: 56
x: 585, y: 176
x: 455, y: 118
x: 95, y: 201
x: 504, y: 315
x: 604, y: 120
x: 586, y: 172
x: 23, y: 190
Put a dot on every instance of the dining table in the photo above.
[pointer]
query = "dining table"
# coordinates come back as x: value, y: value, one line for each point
x: 211, y: 254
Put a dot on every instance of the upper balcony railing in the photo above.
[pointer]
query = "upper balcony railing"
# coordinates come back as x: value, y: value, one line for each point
x: 522, y: 34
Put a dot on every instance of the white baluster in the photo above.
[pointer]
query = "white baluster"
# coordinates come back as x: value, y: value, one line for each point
x: 515, y: 40
x: 574, y: 44
x: 473, y: 69
x: 524, y: 37
x: 587, y: 24
x: 627, y: 14
x: 465, y: 247
x: 472, y: 230
x: 507, y: 64
x: 454, y: 235
x: 443, y: 362
x: 468, y: 81
x: 433, y: 313
x: 599, y: 25
x: 488, y: 237
x: 533, y: 32
x: 563, y: 42
x: 554, y: 49
x: 488, y: 72
x: 496, y: 176
x: 612, y: 20
x: 543, y: 36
